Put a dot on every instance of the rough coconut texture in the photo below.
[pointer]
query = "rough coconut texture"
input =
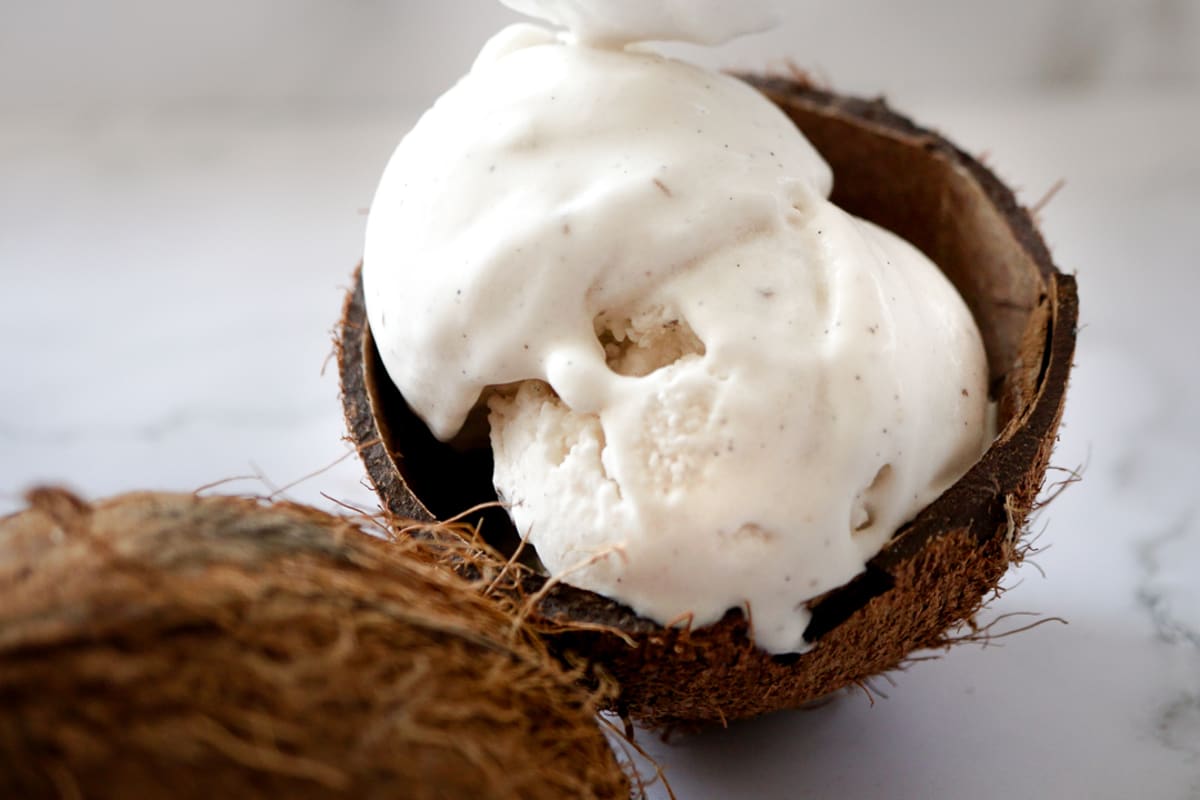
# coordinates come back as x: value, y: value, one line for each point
x: 170, y: 646
x: 936, y: 572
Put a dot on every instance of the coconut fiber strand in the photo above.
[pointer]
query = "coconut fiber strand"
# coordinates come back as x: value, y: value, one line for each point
x: 174, y: 646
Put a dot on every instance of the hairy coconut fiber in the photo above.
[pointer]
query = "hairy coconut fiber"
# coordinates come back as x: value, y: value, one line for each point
x: 935, y: 572
x: 173, y: 646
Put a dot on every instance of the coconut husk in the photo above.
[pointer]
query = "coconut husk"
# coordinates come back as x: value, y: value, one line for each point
x: 936, y: 572
x: 172, y: 646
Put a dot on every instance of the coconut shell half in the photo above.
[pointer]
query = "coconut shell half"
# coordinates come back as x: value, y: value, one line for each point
x: 156, y: 646
x: 935, y: 573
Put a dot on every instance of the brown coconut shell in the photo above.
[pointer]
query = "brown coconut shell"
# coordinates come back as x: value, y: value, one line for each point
x: 170, y: 646
x: 935, y: 573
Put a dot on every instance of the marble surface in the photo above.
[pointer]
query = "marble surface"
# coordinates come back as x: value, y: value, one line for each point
x: 168, y: 284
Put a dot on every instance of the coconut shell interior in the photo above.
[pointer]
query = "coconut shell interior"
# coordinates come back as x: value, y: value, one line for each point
x: 936, y: 571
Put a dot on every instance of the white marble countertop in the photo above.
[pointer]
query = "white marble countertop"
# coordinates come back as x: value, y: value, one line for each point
x: 168, y: 285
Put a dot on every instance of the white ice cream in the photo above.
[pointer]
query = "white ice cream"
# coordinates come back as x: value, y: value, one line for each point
x: 721, y: 391
x: 620, y: 22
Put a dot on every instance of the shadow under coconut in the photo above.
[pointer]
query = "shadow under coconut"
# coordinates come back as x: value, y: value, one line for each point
x: 1047, y: 713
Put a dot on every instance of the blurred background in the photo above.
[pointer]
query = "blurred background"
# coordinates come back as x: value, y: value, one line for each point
x: 139, y: 54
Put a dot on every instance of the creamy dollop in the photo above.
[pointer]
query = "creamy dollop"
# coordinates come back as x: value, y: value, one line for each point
x: 709, y: 387
x: 622, y: 22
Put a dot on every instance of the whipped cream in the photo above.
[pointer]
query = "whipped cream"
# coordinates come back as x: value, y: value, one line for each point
x: 709, y: 387
x: 622, y: 22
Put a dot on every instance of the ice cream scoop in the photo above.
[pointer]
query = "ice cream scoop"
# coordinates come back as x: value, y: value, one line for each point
x: 931, y: 576
x: 720, y: 390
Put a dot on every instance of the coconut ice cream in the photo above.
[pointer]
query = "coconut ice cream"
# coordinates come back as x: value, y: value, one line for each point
x: 619, y: 22
x: 708, y: 387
